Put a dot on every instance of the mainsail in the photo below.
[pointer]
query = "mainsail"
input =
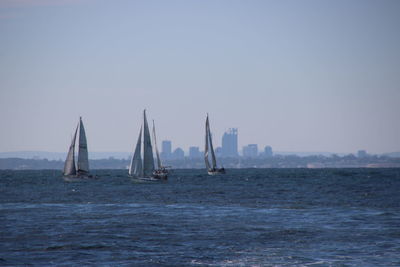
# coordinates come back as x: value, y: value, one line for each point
x: 69, y: 167
x: 83, y: 159
x: 82, y: 168
x: 206, y: 147
x: 159, y: 165
x: 136, y: 169
x: 213, y: 159
x: 209, y: 144
x: 148, y: 160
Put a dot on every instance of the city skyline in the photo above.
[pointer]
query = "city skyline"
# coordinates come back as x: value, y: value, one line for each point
x: 170, y: 151
x: 294, y: 75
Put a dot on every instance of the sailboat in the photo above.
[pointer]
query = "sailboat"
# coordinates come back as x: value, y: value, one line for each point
x: 144, y: 169
x: 161, y: 172
x: 80, y: 170
x: 211, y: 168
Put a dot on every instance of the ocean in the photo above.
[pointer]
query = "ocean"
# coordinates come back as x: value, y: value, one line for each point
x: 248, y: 217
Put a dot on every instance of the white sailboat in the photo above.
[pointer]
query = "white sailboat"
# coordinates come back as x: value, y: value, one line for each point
x: 161, y: 171
x: 144, y: 169
x: 80, y: 170
x: 211, y: 168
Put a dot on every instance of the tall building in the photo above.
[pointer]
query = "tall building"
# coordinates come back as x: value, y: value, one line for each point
x: 194, y: 152
x: 218, y: 151
x: 230, y: 143
x: 166, y: 149
x: 178, y: 154
x: 362, y: 154
x: 268, y: 152
x: 250, y: 151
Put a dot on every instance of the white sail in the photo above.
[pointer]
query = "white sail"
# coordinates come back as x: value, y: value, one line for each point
x: 148, y: 160
x: 136, y: 168
x: 213, y: 159
x: 69, y: 166
x: 83, y: 159
x: 206, y: 146
x: 159, y: 164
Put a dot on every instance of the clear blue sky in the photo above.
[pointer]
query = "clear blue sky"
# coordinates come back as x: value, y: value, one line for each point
x: 296, y: 75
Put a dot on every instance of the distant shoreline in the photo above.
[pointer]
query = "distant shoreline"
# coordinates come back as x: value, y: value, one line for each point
x: 94, y: 155
x: 274, y: 162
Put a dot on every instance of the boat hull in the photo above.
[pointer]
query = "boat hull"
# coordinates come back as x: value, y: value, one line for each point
x: 154, y: 178
x: 161, y: 175
x: 77, y: 178
x: 216, y: 171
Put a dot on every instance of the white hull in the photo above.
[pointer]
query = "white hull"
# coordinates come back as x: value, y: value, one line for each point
x: 216, y: 171
x: 77, y: 178
x: 148, y: 179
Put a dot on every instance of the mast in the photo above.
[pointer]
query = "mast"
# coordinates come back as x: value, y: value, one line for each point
x: 136, y: 167
x: 148, y: 160
x: 69, y: 166
x: 159, y: 165
x: 83, y: 159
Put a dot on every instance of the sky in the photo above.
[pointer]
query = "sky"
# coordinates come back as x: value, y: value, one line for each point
x: 310, y: 75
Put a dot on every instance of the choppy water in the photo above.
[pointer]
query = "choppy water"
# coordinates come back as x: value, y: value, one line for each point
x: 254, y: 217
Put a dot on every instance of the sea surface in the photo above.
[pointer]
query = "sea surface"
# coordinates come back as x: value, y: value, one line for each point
x: 248, y: 217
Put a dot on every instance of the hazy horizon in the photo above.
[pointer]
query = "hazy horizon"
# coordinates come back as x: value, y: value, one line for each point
x: 296, y: 75
x: 126, y: 155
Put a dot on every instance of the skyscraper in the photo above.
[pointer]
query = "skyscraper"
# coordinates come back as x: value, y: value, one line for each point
x: 230, y: 143
x: 362, y: 154
x: 194, y: 152
x: 268, y: 152
x: 250, y: 151
x: 166, y: 149
x: 178, y: 153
